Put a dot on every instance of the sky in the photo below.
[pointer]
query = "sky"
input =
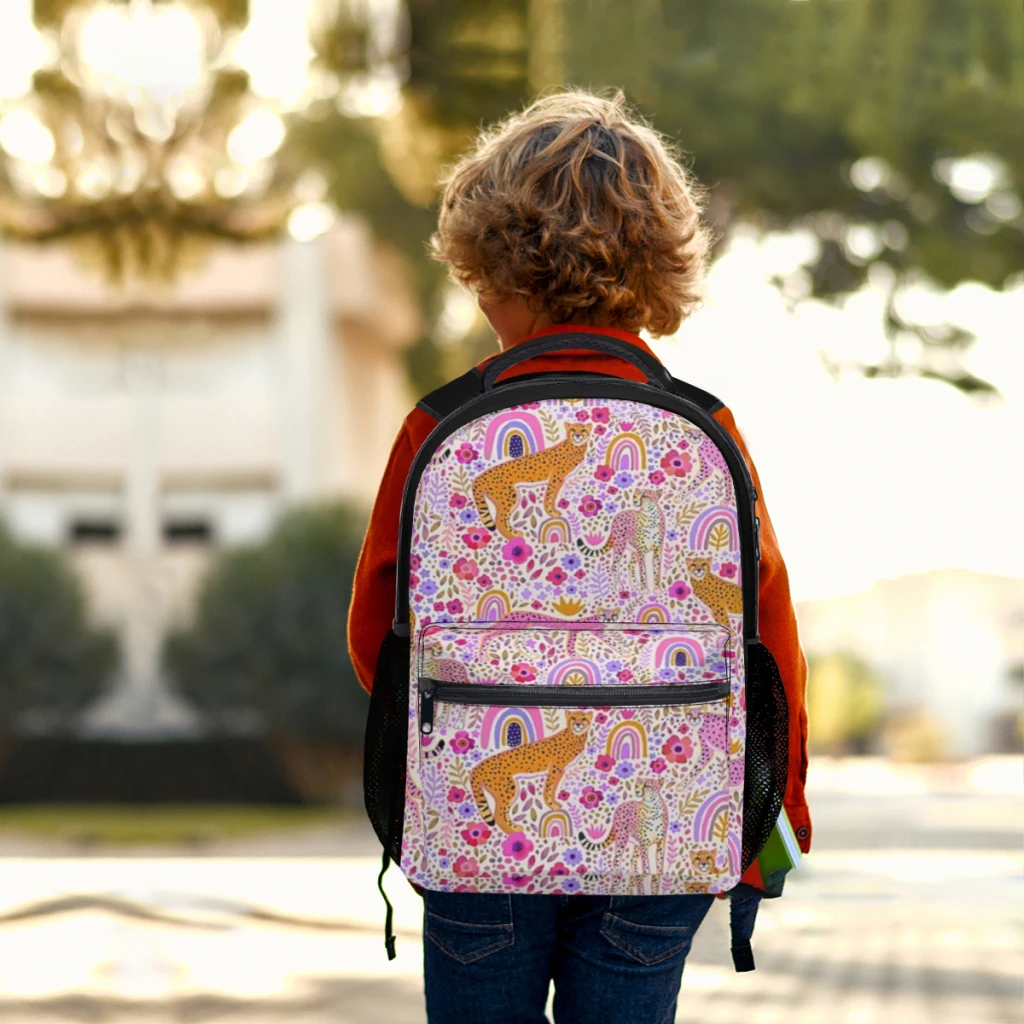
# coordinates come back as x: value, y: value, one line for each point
x: 863, y: 479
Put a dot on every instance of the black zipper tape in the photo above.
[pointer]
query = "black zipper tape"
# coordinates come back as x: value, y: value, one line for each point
x: 556, y: 386
x: 672, y: 695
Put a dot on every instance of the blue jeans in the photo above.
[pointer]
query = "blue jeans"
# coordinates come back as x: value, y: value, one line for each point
x: 488, y: 959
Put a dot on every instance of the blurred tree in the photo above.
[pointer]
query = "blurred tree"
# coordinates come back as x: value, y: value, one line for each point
x: 891, y: 130
x: 844, y: 704
x: 52, y: 663
x: 267, y: 643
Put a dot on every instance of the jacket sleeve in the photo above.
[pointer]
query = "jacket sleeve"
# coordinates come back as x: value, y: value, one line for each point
x: 778, y: 629
x: 373, y: 590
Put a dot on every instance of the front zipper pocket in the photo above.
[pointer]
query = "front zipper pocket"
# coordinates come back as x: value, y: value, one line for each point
x: 562, y: 696
x: 580, y: 757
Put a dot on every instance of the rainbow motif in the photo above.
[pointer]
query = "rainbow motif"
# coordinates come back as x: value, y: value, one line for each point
x: 735, y: 856
x: 626, y: 451
x: 555, y: 823
x: 709, y: 518
x: 678, y: 652
x: 493, y: 606
x: 576, y: 672
x: 494, y: 731
x: 511, y: 434
x: 653, y: 613
x: 627, y: 740
x: 555, y: 531
x: 704, y: 819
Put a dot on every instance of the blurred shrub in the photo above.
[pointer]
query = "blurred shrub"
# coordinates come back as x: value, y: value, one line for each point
x: 914, y: 735
x: 844, y: 704
x: 267, y: 645
x: 52, y: 663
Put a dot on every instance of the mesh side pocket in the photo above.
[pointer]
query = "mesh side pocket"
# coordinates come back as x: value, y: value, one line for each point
x: 767, y: 757
x: 386, y: 744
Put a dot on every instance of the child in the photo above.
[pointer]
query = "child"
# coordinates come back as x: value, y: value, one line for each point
x: 572, y: 212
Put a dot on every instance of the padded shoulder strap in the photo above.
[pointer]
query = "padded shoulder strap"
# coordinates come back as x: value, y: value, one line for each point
x: 704, y: 399
x: 446, y: 399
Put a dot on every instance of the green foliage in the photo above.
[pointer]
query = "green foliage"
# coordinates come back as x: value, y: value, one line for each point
x: 844, y: 703
x: 776, y: 100
x: 269, y: 632
x: 52, y: 663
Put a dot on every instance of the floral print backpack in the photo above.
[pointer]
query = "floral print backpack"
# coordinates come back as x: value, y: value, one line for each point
x: 573, y: 697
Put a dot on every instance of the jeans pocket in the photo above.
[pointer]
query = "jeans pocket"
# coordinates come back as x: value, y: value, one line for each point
x: 468, y: 926
x: 647, y: 944
x: 653, y: 930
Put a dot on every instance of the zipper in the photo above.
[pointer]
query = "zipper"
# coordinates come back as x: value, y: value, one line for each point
x: 562, y: 696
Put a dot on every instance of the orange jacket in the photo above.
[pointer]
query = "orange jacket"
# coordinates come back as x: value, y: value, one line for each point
x: 373, y: 595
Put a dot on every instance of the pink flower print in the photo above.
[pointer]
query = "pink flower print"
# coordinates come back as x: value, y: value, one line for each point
x: 477, y: 538
x: 677, y: 749
x: 624, y: 676
x: 600, y: 414
x: 590, y: 506
x: 582, y: 415
x: 516, y: 550
x: 517, y: 846
x: 600, y: 719
x: 522, y: 672
x: 604, y: 763
x: 466, y: 453
x: 559, y: 869
x: 679, y: 590
x: 728, y: 570
x: 658, y: 765
x: 484, y: 581
x: 563, y: 502
x: 557, y: 576
x: 676, y: 463
x: 603, y: 473
x: 626, y: 424
x: 462, y: 742
x: 466, y: 867
x: 656, y: 478
x: 454, y: 606
x: 456, y: 795
x: 591, y: 797
x: 518, y: 881
x: 465, y: 888
x: 476, y: 834
x: 563, y: 794
x: 439, y: 606
x: 457, y: 501
x: 415, y: 562
x: 465, y: 568
x: 600, y: 429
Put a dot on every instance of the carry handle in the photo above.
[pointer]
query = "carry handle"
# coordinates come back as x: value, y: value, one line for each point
x: 655, y: 373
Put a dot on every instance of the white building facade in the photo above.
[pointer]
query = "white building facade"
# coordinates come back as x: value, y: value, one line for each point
x: 142, y: 431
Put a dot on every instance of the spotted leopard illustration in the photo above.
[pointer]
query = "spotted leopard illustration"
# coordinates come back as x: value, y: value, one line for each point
x: 642, y: 822
x: 704, y: 862
x: 499, y: 484
x: 636, y: 537
x: 497, y: 775
x: 722, y: 597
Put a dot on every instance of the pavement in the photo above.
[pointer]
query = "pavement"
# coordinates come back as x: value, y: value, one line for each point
x: 908, y: 911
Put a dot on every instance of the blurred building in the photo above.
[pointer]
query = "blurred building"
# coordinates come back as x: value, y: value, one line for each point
x: 948, y: 645
x: 142, y: 430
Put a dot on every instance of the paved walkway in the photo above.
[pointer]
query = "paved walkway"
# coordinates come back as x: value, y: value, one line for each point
x: 908, y: 912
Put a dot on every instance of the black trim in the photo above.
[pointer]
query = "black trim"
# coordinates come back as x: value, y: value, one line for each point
x: 572, y: 387
x: 446, y: 399
x: 668, y: 695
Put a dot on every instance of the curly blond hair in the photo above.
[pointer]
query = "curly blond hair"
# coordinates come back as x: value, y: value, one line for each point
x: 579, y: 206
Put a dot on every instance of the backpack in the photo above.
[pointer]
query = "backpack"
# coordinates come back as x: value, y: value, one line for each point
x: 573, y: 697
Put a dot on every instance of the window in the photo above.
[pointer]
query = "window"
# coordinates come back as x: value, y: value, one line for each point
x: 188, y: 531
x: 94, y: 530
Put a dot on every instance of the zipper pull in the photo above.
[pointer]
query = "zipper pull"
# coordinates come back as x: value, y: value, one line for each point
x: 426, y: 706
x: 757, y: 535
